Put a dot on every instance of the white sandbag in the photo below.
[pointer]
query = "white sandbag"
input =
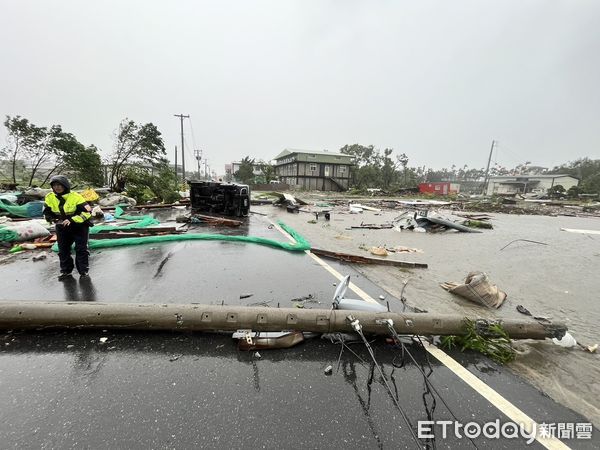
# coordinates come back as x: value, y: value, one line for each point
x: 27, y: 230
x: 116, y: 199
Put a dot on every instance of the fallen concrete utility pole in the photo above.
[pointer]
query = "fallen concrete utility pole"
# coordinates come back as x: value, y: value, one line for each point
x: 191, y: 317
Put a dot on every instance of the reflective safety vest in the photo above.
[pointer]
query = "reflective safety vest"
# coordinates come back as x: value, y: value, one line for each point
x: 69, y: 206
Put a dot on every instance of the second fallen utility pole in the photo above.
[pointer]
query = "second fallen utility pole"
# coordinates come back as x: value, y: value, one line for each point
x: 487, y: 170
x: 181, y: 117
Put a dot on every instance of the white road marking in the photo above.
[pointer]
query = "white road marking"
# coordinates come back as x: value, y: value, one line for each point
x: 362, y: 294
x: 497, y: 400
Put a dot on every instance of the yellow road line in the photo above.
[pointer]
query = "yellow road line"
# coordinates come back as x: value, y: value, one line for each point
x: 506, y: 407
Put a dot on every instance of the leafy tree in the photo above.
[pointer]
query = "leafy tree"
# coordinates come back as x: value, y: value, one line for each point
x: 49, y: 148
x: 156, y: 184
x: 17, y: 129
x: 586, y: 169
x: 388, y: 169
x: 84, y: 164
x: 134, y: 143
x: 591, y: 184
x: 22, y: 136
x: 41, y: 148
x: 363, y: 156
x: 268, y: 171
x: 245, y: 173
x: 367, y: 171
x: 574, y: 191
x: 403, y: 161
x: 557, y: 191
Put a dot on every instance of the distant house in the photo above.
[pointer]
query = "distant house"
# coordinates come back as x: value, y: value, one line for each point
x: 231, y: 169
x: 314, y: 170
x: 523, y: 184
x: 439, y: 188
x: 235, y: 166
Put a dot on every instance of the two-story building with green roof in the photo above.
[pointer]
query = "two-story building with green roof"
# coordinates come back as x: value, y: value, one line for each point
x: 314, y: 170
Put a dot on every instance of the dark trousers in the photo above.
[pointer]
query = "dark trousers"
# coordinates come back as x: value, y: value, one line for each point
x: 66, y: 236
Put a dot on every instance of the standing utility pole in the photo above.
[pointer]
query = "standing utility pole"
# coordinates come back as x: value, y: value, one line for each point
x: 176, y: 162
x: 487, y: 170
x: 181, y: 117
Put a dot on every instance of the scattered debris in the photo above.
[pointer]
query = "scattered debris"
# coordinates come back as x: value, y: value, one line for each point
x: 428, y: 222
x: 566, y: 341
x: 372, y: 226
x: 39, y: 257
x: 307, y: 298
x: 379, y: 251
x: 478, y: 217
x: 525, y: 311
x: 209, y: 220
x: 402, y: 249
x: 175, y: 358
x: 252, y: 340
x: 478, y: 224
x: 340, y: 302
x: 419, y: 202
x: 114, y: 199
x: 574, y: 230
x: 103, y: 340
x: 478, y: 289
x: 523, y: 240
x: 21, y: 231
x: 246, y: 296
x: 356, y: 259
x: 328, y: 370
x: 591, y: 348
x: 284, y: 199
x: 362, y: 207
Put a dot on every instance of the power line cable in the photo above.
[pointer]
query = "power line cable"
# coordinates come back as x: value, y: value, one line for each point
x: 192, y: 131
x: 358, y: 329
x: 398, y: 341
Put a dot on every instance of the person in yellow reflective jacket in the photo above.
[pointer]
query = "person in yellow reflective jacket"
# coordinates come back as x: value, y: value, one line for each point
x: 71, y: 213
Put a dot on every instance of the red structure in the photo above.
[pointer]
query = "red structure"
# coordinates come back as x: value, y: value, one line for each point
x: 439, y: 188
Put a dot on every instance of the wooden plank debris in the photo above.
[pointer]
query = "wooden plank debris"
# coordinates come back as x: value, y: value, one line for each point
x: 366, y: 260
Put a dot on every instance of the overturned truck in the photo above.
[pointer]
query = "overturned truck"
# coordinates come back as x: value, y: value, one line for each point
x: 227, y: 199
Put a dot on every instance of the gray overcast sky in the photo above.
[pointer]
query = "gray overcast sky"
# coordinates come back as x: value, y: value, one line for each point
x: 437, y: 80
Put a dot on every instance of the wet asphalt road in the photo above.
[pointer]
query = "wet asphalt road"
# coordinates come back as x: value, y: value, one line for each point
x: 66, y: 389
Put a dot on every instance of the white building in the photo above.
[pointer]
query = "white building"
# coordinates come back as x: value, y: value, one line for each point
x: 522, y: 184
